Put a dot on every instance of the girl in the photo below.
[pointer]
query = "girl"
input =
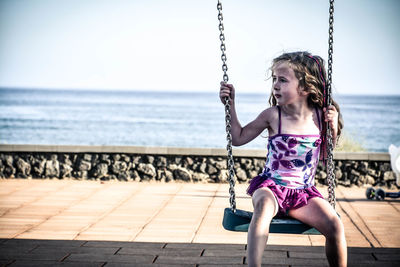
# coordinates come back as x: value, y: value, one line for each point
x: 296, y: 130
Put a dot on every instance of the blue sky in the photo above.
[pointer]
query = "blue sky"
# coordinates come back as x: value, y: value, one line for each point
x: 174, y: 45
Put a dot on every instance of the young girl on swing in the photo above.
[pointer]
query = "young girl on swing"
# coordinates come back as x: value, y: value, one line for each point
x: 295, y: 123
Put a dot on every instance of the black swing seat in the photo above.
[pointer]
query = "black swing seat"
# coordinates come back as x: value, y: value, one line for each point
x: 239, y: 222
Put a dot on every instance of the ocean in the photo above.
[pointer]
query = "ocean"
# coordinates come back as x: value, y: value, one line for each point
x: 171, y: 119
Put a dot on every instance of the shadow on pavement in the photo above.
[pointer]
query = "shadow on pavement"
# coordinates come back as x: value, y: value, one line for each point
x: 35, y: 252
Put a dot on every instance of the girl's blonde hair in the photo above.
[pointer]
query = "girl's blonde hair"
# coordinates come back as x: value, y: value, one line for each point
x: 310, y: 71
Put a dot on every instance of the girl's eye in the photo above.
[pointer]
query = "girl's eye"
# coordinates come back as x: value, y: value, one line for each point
x: 282, y: 80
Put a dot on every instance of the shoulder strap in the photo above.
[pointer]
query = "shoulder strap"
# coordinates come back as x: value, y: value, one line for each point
x: 319, y: 119
x: 279, y: 112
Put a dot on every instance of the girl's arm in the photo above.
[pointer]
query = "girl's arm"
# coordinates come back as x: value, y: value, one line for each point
x: 242, y: 135
x: 332, y: 117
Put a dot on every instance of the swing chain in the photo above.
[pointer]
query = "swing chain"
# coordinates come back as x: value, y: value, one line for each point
x: 222, y: 39
x: 231, y: 177
x: 330, y: 166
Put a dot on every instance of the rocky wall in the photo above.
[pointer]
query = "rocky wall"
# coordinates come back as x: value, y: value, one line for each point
x: 167, y: 168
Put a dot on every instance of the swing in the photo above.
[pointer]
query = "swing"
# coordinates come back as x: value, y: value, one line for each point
x: 239, y: 220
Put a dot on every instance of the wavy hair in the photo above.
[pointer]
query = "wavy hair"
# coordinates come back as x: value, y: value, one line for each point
x: 310, y: 71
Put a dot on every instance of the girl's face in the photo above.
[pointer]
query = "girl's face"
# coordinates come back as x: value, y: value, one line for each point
x: 285, y: 85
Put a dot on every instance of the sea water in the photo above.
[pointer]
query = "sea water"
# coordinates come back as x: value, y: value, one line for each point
x: 172, y: 119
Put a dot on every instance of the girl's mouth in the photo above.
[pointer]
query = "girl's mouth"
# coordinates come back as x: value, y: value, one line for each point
x: 277, y: 95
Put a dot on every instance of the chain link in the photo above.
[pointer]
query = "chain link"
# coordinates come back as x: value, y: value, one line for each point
x: 329, y: 163
x: 231, y: 177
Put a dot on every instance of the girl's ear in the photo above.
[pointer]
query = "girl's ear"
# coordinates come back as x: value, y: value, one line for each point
x: 303, y: 91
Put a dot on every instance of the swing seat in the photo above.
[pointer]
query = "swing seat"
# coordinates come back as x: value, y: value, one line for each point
x: 239, y: 222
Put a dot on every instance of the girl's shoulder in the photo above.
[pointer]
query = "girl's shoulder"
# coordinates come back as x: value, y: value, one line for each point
x: 270, y: 114
x: 272, y: 111
x: 319, y: 113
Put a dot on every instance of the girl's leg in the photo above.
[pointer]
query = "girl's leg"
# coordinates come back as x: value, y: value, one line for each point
x: 320, y: 214
x: 265, y: 207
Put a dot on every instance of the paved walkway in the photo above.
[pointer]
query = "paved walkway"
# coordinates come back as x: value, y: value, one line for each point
x: 83, y: 223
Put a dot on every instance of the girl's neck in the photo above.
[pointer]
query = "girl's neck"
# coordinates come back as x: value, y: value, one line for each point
x: 297, y: 110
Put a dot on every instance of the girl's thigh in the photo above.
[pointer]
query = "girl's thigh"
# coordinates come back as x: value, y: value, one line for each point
x: 319, y: 214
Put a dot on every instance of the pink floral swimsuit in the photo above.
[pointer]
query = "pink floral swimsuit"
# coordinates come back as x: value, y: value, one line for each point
x: 290, y: 168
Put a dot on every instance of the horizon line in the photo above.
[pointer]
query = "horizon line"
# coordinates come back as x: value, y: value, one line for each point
x: 166, y: 90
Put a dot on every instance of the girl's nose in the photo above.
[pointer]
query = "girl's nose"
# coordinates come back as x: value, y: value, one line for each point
x: 275, y: 85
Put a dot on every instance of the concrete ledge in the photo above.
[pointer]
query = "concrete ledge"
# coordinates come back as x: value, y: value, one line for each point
x: 132, y: 150
x: 373, y: 156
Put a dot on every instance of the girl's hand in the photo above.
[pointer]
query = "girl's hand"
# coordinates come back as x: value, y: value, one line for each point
x: 227, y: 90
x: 332, y: 117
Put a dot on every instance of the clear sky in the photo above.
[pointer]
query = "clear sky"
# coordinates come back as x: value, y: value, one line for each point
x: 174, y: 45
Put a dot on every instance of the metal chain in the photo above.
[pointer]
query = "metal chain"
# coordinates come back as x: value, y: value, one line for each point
x: 231, y: 177
x: 329, y: 163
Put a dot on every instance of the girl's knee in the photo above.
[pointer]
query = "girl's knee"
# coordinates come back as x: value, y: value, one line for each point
x: 263, y: 202
x: 335, y: 228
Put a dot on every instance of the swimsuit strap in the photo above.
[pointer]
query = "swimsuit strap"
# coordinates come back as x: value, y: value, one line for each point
x: 319, y: 119
x: 279, y: 112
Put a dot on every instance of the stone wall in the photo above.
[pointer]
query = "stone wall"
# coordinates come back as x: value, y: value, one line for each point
x: 172, y: 164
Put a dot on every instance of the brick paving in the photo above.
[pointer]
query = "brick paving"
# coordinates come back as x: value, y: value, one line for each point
x: 89, y: 223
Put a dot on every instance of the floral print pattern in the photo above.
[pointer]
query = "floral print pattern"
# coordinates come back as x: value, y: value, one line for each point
x: 292, y: 160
